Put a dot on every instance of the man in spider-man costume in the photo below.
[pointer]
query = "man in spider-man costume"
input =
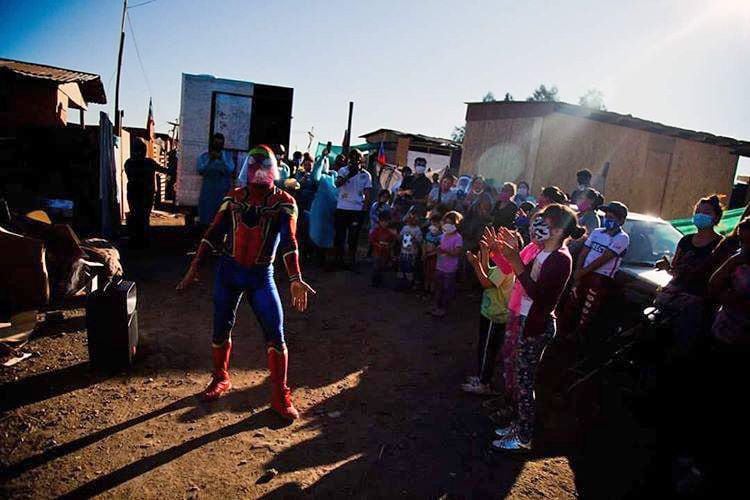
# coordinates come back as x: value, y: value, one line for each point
x: 252, y: 222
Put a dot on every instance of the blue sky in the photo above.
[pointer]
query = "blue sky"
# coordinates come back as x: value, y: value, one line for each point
x: 408, y: 65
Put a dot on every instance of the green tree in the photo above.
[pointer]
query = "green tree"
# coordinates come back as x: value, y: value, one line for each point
x: 542, y: 94
x: 594, y: 99
x: 489, y: 97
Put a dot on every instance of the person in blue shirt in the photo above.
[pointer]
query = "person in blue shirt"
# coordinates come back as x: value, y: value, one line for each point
x: 216, y: 167
x: 323, y: 206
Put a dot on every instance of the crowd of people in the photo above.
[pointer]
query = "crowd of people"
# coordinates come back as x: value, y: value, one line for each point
x: 545, y: 264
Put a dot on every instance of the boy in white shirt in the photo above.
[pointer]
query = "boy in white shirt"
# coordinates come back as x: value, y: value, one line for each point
x: 597, y: 265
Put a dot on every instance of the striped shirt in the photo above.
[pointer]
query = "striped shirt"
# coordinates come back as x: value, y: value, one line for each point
x: 600, y: 241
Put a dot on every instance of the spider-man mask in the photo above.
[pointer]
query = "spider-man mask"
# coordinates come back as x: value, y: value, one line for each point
x: 262, y: 168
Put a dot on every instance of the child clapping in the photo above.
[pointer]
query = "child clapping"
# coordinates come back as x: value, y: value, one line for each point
x: 497, y: 283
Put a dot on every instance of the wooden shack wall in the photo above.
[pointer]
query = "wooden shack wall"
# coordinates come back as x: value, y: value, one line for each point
x: 570, y: 143
x: 697, y: 170
x: 504, y: 149
x: 651, y: 173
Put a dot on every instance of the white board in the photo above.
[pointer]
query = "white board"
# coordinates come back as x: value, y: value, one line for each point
x: 195, y: 127
x: 436, y: 164
x: 232, y: 118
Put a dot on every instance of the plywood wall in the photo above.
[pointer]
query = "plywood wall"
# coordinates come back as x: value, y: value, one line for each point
x: 504, y: 150
x: 570, y: 143
x: 697, y: 170
x: 649, y: 172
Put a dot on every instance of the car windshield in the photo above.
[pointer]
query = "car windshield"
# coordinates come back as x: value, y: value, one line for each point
x: 650, y: 241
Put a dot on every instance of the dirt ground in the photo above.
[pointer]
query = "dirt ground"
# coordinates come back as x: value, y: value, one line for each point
x: 375, y: 378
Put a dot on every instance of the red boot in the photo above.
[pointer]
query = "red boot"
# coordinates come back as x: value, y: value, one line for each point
x: 281, y: 395
x: 220, y: 382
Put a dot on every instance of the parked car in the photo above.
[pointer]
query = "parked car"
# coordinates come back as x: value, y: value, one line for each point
x: 651, y: 238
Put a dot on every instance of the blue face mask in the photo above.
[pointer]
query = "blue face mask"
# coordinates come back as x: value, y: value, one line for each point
x: 522, y: 221
x: 703, y: 221
x: 611, y: 225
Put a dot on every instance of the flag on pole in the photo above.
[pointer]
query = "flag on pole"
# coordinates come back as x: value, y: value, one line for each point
x: 150, y: 122
x: 381, y: 154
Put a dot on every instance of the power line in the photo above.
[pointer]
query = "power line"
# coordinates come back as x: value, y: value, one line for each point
x: 139, y: 4
x: 138, y: 54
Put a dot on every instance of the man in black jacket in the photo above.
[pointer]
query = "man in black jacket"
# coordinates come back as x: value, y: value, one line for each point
x: 140, y: 171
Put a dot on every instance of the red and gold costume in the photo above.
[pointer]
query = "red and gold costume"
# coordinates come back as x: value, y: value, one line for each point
x: 252, y: 224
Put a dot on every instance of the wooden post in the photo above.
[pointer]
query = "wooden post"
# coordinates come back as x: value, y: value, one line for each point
x: 348, y: 138
x: 118, y: 123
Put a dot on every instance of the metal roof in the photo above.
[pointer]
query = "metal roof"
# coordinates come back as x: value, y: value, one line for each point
x: 441, y: 141
x: 91, y: 85
x: 738, y: 146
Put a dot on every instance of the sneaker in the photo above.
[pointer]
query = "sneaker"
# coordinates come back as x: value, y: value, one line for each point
x: 471, y: 379
x: 438, y: 313
x: 512, y: 443
x: 503, y: 432
x: 478, y: 388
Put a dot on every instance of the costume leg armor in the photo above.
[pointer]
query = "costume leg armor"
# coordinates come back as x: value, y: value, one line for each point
x: 220, y: 383
x: 226, y: 299
x: 266, y: 303
x: 281, y: 395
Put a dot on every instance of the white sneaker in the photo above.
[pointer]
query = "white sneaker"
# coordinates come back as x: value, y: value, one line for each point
x: 478, y: 388
x: 472, y: 380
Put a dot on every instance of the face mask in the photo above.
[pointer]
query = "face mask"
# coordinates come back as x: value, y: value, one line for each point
x: 262, y: 169
x: 434, y: 229
x: 540, y: 230
x: 703, y: 221
x: 522, y: 191
x: 503, y: 196
x: 449, y: 228
x: 420, y: 169
x: 522, y: 221
x: 611, y: 225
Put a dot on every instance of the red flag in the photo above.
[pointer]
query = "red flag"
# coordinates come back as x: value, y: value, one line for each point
x: 381, y: 154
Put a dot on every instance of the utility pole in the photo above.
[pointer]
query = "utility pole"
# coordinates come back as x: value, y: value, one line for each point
x: 119, y: 68
x: 348, y: 138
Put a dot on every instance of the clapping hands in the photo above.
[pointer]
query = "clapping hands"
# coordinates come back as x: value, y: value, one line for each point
x: 503, y: 241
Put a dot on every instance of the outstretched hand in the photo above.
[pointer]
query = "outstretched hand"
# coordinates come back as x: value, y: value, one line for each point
x: 192, y: 276
x: 300, y: 291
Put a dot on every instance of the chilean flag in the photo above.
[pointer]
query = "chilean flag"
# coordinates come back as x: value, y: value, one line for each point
x: 150, y: 121
x: 381, y: 154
